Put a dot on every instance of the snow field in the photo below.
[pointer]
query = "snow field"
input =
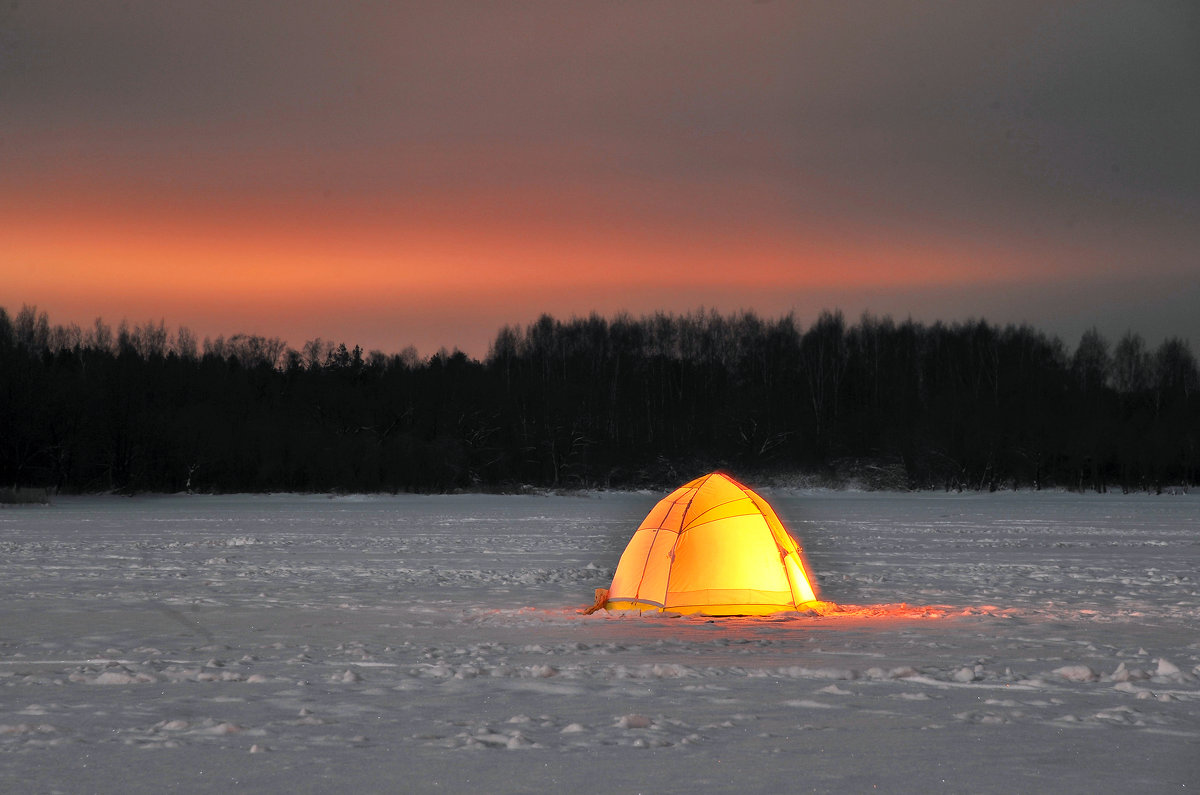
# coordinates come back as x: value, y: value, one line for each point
x: 426, y: 644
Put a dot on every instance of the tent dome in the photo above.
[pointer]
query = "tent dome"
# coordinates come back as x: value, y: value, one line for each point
x: 715, y: 547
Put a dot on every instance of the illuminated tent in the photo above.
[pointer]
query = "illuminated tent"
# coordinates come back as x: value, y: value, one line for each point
x: 715, y: 547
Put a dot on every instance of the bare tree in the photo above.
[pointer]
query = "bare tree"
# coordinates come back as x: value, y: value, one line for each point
x: 1131, y: 364
x: 185, y: 343
x: 99, y: 337
x: 33, y: 329
x: 1091, y: 366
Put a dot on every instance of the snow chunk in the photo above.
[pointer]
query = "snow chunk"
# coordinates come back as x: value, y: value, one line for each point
x: 967, y: 673
x: 220, y: 729
x: 1168, y: 671
x: 519, y: 740
x: 634, y: 722
x: 900, y: 672
x: 172, y: 725
x: 800, y: 672
x: 122, y: 678
x: 1130, y: 687
x: 492, y: 739
x: 1124, y: 674
x: 1077, y: 673
x: 1166, y: 668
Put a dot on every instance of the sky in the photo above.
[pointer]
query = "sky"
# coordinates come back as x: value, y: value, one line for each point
x: 399, y: 173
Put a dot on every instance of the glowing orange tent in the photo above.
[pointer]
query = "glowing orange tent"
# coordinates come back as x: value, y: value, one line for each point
x: 715, y: 547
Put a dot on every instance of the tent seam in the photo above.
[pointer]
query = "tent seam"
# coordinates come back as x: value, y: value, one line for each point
x: 679, y: 535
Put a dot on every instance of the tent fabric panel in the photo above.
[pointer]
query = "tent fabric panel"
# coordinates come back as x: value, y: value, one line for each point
x: 735, y: 553
x: 657, y: 514
x: 676, y: 517
x: 680, y: 601
x: 782, y: 536
x: 633, y: 604
x: 743, y: 507
x: 657, y: 571
x: 706, y: 596
x: 737, y: 609
x: 679, y: 493
x: 628, y: 576
x: 801, y: 583
x: 802, y: 590
x: 716, y: 489
x: 731, y: 609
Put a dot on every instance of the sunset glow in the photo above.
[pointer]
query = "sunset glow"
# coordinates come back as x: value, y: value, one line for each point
x: 460, y: 172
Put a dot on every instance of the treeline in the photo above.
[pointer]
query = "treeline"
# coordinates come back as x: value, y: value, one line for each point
x: 597, y: 402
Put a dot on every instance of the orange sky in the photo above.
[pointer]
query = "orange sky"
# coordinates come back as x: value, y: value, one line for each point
x: 444, y: 277
x: 425, y: 174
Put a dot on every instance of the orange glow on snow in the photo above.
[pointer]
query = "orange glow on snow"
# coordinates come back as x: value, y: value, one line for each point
x: 832, y: 612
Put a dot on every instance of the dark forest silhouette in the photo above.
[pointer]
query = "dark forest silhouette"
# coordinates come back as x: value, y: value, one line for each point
x: 597, y: 402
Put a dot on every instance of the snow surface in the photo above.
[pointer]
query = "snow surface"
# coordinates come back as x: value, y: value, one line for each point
x: 431, y: 644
